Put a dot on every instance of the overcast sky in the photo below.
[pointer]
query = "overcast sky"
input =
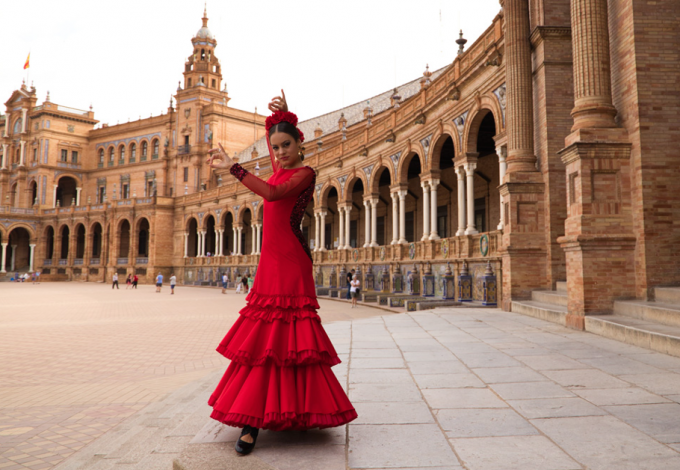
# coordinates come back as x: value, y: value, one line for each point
x: 126, y: 57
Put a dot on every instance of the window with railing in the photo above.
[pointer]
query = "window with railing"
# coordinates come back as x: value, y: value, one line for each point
x: 64, y: 155
x: 101, y: 194
x: 133, y: 152
x: 125, y: 191
x: 154, y: 156
x: 111, y: 156
x: 145, y: 149
x: 101, y: 159
x: 74, y: 157
x: 121, y: 155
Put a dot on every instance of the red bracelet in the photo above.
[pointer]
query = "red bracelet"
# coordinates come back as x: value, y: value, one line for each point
x: 238, y: 171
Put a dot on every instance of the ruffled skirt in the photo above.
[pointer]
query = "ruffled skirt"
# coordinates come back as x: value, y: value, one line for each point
x: 280, y: 376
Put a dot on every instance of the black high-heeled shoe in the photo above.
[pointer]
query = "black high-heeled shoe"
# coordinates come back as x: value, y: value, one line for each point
x: 245, y: 448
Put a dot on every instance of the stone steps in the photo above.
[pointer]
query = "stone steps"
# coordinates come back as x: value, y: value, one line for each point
x: 656, y: 312
x: 643, y: 333
x: 550, y: 297
x: 668, y: 295
x: 545, y: 311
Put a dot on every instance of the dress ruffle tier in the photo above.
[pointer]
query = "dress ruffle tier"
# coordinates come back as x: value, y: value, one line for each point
x: 280, y: 376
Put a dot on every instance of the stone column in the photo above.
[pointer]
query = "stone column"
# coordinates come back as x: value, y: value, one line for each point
x: 395, y: 217
x: 374, y: 222
x: 348, y: 209
x: 258, y: 243
x: 21, y: 153
x: 402, y: 216
x: 367, y: 224
x: 78, y: 196
x: 4, y: 258
x: 253, y: 239
x: 592, y: 77
x: 322, y: 242
x: 218, y: 242
x: 14, y: 254
x: 317, y: 232
x: 518, y: 79
x: 23, y: 120
x: 201, y: 243
x: 31, y: 257
x: 502, y: 167
x: 460, y: 172
x: 54, y: 196
x: 426, y: 210
x: 470, y: 172
x: 240, y: 248
x: 186, y: 244
x: 341, y: 231
x: 4, y: 155
x: 433, y: 207
x: 234, y: 241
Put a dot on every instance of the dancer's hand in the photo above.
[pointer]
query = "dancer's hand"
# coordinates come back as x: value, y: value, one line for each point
x: 278, y: 103
x: 219, y: 159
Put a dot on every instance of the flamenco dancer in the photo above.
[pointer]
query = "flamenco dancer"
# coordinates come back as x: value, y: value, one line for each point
x: 280, y: 374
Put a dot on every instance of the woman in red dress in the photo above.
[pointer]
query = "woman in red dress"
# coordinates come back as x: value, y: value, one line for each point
x: 280, y: 374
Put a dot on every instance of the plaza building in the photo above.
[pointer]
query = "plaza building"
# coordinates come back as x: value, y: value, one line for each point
x: 535, y: 172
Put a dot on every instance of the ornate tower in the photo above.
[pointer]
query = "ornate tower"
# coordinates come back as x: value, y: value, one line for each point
x: 203, y: 68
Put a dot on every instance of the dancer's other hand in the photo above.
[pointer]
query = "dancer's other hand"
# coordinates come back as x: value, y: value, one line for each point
x: 278, y: 103
x: 219, y: 159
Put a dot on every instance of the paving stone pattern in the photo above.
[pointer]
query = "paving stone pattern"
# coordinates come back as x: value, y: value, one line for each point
x: 451, y: 388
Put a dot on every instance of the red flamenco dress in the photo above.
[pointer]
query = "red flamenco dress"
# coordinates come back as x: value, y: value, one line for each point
x: 280, y: 374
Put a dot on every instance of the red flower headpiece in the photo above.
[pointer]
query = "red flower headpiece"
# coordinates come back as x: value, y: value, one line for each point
x: 283, y: 116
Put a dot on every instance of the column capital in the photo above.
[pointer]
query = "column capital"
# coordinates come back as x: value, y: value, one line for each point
x: 402, y: 193
x: 470, y: 168
x: 4, y: 243
x: 424, y: 183
x: 502, y: 152
x: 460, y: 171
x: 434, y: 182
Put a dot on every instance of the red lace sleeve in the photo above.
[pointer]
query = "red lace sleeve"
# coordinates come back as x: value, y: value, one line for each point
x: 297, y: 183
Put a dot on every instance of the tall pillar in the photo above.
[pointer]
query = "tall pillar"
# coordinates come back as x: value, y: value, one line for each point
x: 239, y: 251
x: 317, y: 231
x: 592, y: 77
x: 374, y: 222
x: 523, y: 246
x: 23, y: 120
x: 433, y: 208
x: 54, y: 196
x: 341, y: 230
x: 217, y: 242
x: 460, y: 172
x: 78, y: 196
x: 322, y: 242
x: 13, y: 260
x: 4, y: 258
x: 22, y: 157
x: 234, y: 238
x: 258, y: 240
x: 470, y: 172
x: 367, y: 223
x: 402, y: 216
x: 201, y: 244
x: 348, y: 209
x: 426, y: 210
x: 186, y: 244
x: 395, y: 217
x: 31, y: 257
x: 599, y: 239
x: 253, y: 239
x: 4, y: 155
x: 502, y: 167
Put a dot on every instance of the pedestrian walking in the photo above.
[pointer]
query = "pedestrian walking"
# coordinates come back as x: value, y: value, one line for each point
x: 270, y: 383
x: 135, y: 280
x: 355, y: 285
x: 225, y: 280
x: 115, y: 281
x: 349, y: 284
x: 251, y: 280
x: 173, y: 282
x: 159, y: 282
x: 244, y: 281
x: 128, y: 282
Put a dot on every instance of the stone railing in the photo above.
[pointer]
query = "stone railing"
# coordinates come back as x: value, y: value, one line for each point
x: 47, y: 262
x: 121, y: 261
x: 77, y: 261
x: 142, y: 260
x: 63, y: 262
x: 94, y: 261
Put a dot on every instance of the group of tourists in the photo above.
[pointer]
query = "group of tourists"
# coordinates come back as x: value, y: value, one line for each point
x: 132, y: 280
x: 34, y: 276
x: 245, y: 284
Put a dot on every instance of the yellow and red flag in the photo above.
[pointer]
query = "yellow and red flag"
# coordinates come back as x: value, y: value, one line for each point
x: 28, y: 59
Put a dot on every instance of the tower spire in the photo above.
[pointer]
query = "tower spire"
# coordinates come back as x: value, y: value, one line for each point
x: 205, y: 15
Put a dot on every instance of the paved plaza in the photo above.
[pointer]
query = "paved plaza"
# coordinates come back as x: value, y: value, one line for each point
x: 98, y: 379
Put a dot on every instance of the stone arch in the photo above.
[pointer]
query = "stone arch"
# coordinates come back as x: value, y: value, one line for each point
x: 404, y: 162
x: 352, y: 181
x: 143, y: 234
x: 110, y: 156
x: 144, y: 149
x: 64, y: 236
x: 49, y: 235
x: 132, y: 150
x: 374, y: 181
x: 97, y: 231
x: 19, y: 235
x: 323, y: 196
x: 438, y: 140
x: 191, y: 228
x: 123, y: 230
x: 81, y: 235
x: 487, y: 104
x: 31, y: 231
x: 209, y: 225
x: 121, y: 153
x: 259, y: 212
x: 224, y: 215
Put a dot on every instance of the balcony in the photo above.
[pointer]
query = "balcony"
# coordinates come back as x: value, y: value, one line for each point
x: 100, y: 165
x: 121, y: 261
x: 142, y: 158
x: 111, y: 162
x: 154, y: 156
x: 71, y: 165
x: 63, y: 262
x: 78, y: 261
x: 142, y: 260
x: 47, y: 262
x: 94, y: 261
x: 184, y: 149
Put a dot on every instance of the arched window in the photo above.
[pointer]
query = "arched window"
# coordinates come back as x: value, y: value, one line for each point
x: 133, y: 152
x: 155, y: 148
x: 17, y: 126
x: 101, y: 157
x: 111, y: 156
x: 145, y: 147
x: 121, y: 155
